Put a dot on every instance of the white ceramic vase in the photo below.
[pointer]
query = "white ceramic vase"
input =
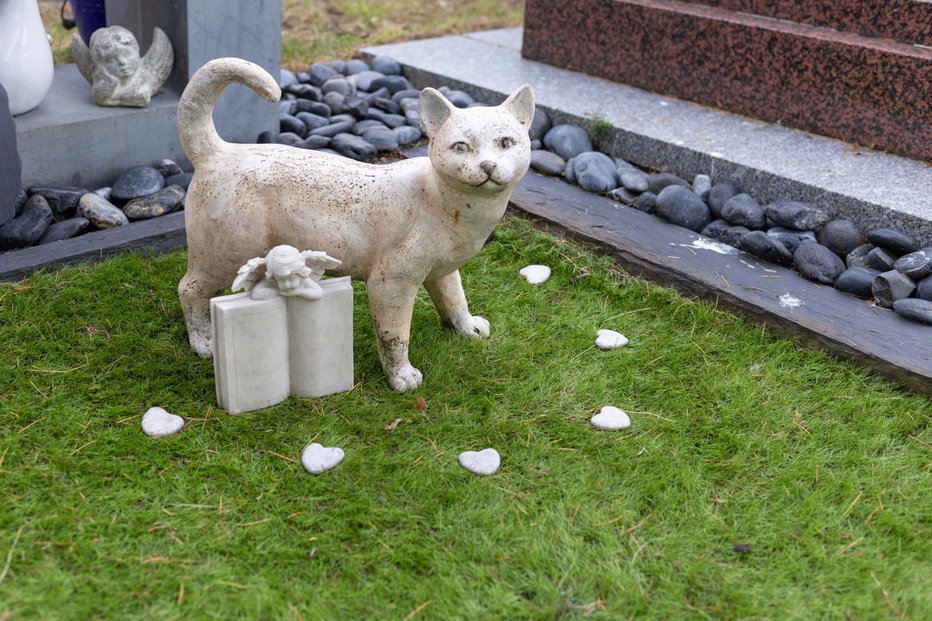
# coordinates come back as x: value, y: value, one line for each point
x: 26, y: 67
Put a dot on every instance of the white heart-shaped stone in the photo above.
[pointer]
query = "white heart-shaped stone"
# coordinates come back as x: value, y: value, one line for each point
x: 483, y: 463
x: 157, y: 422
x: 609, y: 339
x: 316, y: 458
x: 610, y: 418
x: 535, y: 274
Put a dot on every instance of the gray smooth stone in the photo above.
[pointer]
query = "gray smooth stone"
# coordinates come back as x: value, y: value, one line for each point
x: 312, y: 121
x: 646, y: 202
x: 314, y: 107
x: 102, y: 213
x: 315, y: 142
x: 333, y: 129
x: 366, y: 124
x: 337, y: 65
x: 391, y: 120
x: 567, y: 141
x: 319, y: 74
x: 168, y: 168
x: 702, y: 186
x: 540, y: 125
x: 162, y: 202
x: 595, y: 172
x: 352, y: 147
x: 857, y: 281
x: 355, y: 105
x: 743, y: 210
x: 62, y: 200
x: 858, y: 256
x: 796, y: 215
x: 547, y: 162
x: 355, y: 66
x: 287, y: 78
x: 409, y: 93
x: 386, y: 65
x: 292, y: 125
x: 924, y: 289
x: 916, y: 265
x: 407, y: 134
x: 719, y: 195
x: 65, y: 229
x: 306, y: 91
x: 135, y: 182
x: 29, y: 226
x: 290, y: 139
x: 335, y: 102
x: 790, y: 238
x: 623, y: 195
x: 659, y: 181
x: 337, y: 84
x: 816, y: 262
x: 385, y: 105
x: 880, y: 259
x: 842, y: 236
x: 892, y: 241
x: 393, y: 83
x: 891, y: 286
x: 635, y: 180
x: 382, y: 138
x: 762, y: 245
x: 733, y: 234
x: 915, y: 309
x: 715, y: 228
x: 679, y: 205
x: 413, y: 118
x: 183, y: 180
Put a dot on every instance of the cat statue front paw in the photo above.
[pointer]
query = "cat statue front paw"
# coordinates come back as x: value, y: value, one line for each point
x: 474, y: 327
x: 404, y: 378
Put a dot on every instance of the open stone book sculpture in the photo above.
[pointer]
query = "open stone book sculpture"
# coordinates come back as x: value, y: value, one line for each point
x: 290, y: 333
x: 395, y: 226
x: 118, y: 75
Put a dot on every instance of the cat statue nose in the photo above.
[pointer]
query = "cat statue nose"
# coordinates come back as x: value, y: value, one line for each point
x: 488, y: 167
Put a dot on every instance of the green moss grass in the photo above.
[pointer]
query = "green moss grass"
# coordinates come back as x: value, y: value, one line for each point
x: 738, y: 437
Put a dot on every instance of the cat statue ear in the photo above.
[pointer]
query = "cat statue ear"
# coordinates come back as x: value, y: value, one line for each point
x: 434, y: 110
x: 521, y: 104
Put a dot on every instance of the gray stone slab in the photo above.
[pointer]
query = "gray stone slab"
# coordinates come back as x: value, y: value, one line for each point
x: 69, y: 140
x: 766, y: 160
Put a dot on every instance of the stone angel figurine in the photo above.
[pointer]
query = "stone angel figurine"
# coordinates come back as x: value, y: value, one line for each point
x: 118, y: 75
x: 288, y: 272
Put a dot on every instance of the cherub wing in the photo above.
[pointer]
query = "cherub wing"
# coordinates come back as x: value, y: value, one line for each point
x: 82, y: 57
x: 159, y: 60
x: 319, y: 260
x: 246, y: 276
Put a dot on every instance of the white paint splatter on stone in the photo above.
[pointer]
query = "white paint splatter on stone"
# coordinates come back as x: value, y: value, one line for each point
x: 708, y: 244
x: 788, y: 301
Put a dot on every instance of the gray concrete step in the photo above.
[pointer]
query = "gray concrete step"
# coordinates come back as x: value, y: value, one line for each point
x: 872, y: 188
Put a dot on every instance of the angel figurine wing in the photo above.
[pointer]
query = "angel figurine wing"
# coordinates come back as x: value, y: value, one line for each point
x: 82, y: 57
x: 319, y: 261
x: 158, y: 61
x: 246, y: 276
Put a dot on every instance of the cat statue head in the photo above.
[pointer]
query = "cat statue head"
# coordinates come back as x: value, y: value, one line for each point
x: 480, y: 150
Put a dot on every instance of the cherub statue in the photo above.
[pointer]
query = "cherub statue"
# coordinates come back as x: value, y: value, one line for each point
x: 113, y: 67
x: 288, y: 272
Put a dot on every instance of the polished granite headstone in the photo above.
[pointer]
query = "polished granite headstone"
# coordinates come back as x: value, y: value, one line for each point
x: 855, y: 70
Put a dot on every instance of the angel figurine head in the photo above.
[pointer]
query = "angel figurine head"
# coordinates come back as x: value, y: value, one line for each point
x: 288, y: 272
x: 115, y: 70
